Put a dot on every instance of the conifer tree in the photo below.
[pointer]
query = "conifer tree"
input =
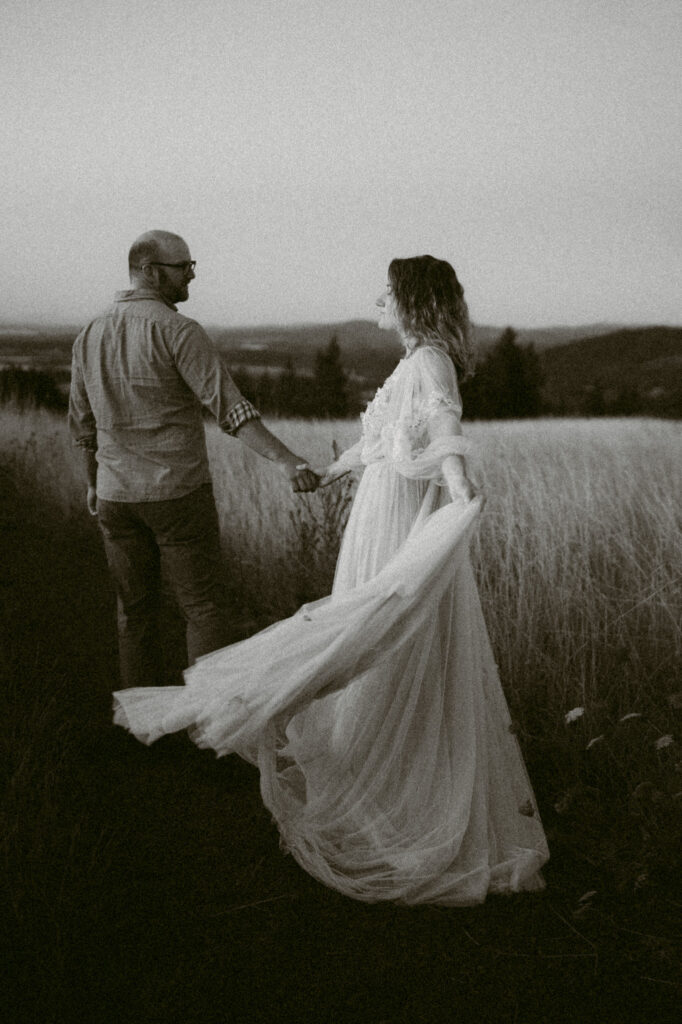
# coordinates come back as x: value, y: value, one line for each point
x: 507, y: 383
x: 331, y: 382
x: 286, y: 391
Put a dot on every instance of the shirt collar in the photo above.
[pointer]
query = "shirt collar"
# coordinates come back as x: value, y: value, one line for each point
x: 143, y: 294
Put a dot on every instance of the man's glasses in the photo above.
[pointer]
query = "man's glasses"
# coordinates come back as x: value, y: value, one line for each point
x: 185, y: 267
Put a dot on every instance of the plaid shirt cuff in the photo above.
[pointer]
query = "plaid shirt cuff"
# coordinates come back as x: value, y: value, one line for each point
x: 238, y: 415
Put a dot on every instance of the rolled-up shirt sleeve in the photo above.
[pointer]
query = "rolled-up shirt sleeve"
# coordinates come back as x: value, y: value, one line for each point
x: 240, y: 414
x: 82, y: 426
x: 202, y: 369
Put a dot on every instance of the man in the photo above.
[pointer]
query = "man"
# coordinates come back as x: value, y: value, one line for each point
x: 140, y: 376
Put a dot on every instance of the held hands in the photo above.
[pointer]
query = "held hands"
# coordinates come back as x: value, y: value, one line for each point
x: 300, y: 475
x: 304, y: 478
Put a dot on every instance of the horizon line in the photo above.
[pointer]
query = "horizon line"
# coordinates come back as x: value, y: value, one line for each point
x: 43, y: 325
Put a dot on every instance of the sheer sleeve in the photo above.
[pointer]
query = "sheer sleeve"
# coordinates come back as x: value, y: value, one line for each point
x: 428, y: 429
x: 351, y: 458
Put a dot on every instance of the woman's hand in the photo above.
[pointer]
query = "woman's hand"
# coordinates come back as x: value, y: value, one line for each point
x: 328, y: 474
x: 464, y: 491
x: 92, y: 500
x: 459, y: 485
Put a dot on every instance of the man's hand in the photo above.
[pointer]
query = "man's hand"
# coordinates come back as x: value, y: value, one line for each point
x: 296, y: 469
x: 300, y: 475
x: 92, y: 500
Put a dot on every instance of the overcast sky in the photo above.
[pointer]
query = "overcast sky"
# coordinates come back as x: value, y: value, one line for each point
x: 298, y: 145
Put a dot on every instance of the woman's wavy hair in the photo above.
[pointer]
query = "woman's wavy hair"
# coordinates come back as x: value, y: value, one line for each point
x: 431, y: 306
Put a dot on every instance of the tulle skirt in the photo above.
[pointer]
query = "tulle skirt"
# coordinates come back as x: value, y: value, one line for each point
x: 376, y: 716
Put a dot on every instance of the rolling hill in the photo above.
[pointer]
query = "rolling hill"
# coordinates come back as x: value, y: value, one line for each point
x: 643, y: 364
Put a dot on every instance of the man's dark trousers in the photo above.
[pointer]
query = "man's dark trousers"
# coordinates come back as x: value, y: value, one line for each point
x: 182, y: 535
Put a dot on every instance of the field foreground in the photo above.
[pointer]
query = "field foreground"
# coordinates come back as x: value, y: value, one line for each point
x: 147, y: 884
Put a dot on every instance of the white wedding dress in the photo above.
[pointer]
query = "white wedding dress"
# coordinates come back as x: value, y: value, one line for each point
x: 376, y: 715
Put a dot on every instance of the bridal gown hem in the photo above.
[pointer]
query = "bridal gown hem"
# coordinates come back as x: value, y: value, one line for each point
x: 376, y: 715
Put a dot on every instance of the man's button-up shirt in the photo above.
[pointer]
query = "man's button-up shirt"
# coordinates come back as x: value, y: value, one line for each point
x: 140, y: 375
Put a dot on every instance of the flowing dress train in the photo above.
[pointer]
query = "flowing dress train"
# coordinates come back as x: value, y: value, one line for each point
x: 376, y: 715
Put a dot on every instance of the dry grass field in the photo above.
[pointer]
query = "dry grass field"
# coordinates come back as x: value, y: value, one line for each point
x: 146, y: 884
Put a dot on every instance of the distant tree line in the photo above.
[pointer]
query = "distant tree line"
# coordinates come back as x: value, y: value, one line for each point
x: 30, y: 389
x: 508, y: 384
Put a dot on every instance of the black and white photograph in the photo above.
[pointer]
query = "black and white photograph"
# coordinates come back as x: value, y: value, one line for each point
x: 340, y: 512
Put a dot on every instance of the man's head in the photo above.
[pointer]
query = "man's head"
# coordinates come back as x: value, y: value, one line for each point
x: 162, y: 261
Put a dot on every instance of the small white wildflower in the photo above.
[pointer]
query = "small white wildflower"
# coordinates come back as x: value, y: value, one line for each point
x: 596, y: 739
x: 573, y: 714
x: 633, y: 714
x: 663, y: 741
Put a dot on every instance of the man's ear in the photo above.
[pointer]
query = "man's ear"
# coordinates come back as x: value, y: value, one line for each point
x: 148, y: 274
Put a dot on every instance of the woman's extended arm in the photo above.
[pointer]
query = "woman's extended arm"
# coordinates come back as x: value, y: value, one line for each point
x: 347, y: 461
x: 444, y: 425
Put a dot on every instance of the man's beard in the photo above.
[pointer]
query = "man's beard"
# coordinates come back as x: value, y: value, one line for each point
x: 171, y: 291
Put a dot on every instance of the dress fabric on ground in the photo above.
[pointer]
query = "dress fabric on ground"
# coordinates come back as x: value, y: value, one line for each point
x: 376, y: 716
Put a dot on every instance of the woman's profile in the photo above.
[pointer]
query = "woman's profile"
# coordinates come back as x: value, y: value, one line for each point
x: 376, y: 716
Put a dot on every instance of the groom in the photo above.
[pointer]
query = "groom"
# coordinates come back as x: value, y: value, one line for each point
x: 141, y: 373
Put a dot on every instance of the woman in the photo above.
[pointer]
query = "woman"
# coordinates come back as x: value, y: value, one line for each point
x: 376, y: 716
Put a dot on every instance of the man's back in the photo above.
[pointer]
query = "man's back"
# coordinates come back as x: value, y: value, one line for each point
x: 140, y: 375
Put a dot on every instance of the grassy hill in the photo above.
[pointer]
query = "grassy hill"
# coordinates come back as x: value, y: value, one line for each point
x: 643, y: 363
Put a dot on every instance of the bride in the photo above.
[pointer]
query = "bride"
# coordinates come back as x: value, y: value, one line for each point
x: 376, y: 715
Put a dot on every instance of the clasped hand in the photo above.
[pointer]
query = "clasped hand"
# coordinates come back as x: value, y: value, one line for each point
x: 304, y: 478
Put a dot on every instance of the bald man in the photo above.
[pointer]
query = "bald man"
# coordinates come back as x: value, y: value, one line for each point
x: 141, y: 374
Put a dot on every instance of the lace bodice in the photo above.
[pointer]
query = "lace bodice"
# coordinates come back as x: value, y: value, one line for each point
x: 413, y: 421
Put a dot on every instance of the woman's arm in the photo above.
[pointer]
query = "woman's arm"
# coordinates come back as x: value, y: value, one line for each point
x: 455, y: 475
x: 443, y: 425
x: 347, y: 461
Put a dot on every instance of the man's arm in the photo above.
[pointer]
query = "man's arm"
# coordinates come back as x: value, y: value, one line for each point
x: 203, y: 371
x: 88, y: 461
x: 83, y: 430
x: 297, y: 471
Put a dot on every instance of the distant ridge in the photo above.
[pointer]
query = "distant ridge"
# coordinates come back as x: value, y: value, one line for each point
x: 644, y: 361
x: 367, y: 351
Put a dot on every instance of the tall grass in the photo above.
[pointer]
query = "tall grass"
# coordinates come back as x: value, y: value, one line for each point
x: 578, y: 558
x: 578, y: 554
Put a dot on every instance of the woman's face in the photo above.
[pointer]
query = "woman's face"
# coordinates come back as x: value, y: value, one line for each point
x: 388, y: 318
